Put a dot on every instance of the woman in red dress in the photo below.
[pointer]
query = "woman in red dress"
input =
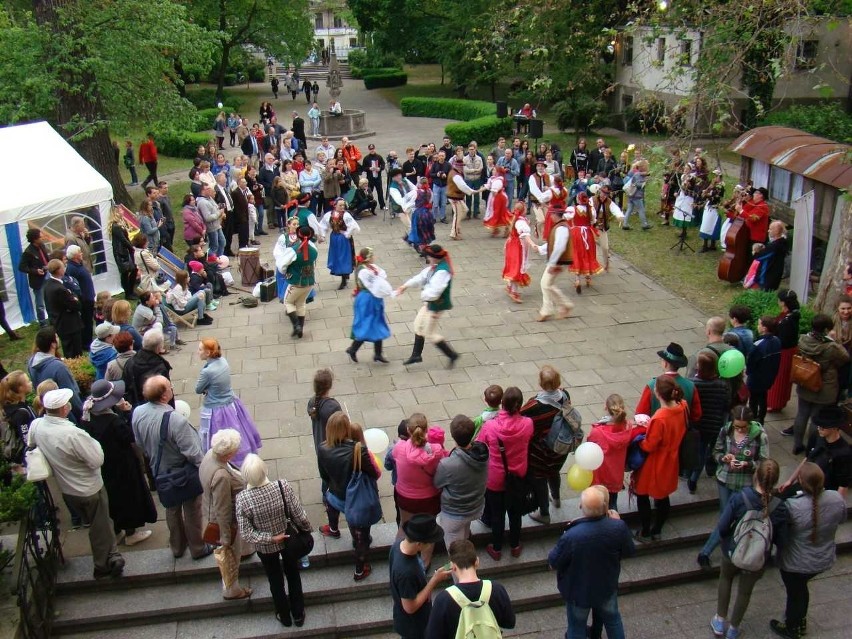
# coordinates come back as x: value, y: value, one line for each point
x: 558, y: 203
x: 788, y: 332
x: 583, y: 234
x: 517, y: 257
x: 497, y: 214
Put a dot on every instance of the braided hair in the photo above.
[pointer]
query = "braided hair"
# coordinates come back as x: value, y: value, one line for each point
x: 812, y: 481
x: 323, y: 379
x: 766, y: 477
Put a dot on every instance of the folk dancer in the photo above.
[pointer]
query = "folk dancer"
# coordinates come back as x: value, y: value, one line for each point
x: 401, y: 194
x: 457, y: 188
x: 297, y: 262
x: 602, y: 208
x: 436, y: 282
x: 341, y: 246
x: 539, y: 183
x: 516, y: 256
x: 369, y: 323
x: 582, y: 222
x: 497, y: 214
x: 287, y: 239
x: 559, y: 255
x: 422, y: 232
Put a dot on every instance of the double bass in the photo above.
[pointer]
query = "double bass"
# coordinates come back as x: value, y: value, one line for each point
x: 733, y: 265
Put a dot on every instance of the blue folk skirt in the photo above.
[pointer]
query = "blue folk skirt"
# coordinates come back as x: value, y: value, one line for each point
x: 369, y: 323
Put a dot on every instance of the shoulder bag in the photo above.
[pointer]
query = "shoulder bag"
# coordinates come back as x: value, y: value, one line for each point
x: 363, y: 508
x: 37, y: 467
x: 519, y: 491
x: 806, y: 373
x: 178, y: 485
x: 690, y: 446
x: 299, y: 543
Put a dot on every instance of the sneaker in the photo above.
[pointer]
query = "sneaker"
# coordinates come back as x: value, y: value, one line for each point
x: 496, y: 555
x: 180, y: 342
x: 557, y: 503
x: 733, y: 633
x: 780, y: 628
x: 703, y: 561
x: 212, y: 306
x: 642, y: 539
x: 361, y: 576
x: 138, y: 536
x: 537, y: 516
x: 208, y: 550
x: 718, y: 626
x: 327, y: 531
x: 205, y: 321
x: 304, y: 563
x: 625, y: 228
x: 787, y: 432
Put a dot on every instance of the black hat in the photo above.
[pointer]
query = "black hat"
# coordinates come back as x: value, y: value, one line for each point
x: 830, y: 417
x: 394, y: 172
x: 435, y: 251
x: 423, y: 529
x: 674, y: 355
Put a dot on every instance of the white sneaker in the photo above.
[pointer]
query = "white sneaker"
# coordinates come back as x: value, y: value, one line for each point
x: 138, y: 536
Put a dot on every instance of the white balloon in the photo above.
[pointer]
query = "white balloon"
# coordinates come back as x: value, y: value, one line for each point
x: 377, y: 440
x: 219, y: 105
x: 589, y: 456
x: 182, y: 408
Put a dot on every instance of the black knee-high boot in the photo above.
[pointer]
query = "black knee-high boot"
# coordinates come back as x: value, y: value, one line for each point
x: 377, y: 353
x: 353, y: 350
x: 344, y: 280
x: 300, y: 327
x: 294, y: 320
x: 417, y: 351
x: 447, y: 350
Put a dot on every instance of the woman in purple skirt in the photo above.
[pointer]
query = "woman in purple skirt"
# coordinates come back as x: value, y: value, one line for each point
x: 220, y: 408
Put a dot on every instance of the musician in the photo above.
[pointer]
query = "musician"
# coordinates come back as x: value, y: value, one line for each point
x: 755, y: 213
x: 711, y: 222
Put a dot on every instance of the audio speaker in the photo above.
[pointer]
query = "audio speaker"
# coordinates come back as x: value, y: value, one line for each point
x: 536, y: 129
x: 502, y: 109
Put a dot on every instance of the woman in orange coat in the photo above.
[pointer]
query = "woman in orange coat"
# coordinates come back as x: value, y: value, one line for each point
x: 657, y: 477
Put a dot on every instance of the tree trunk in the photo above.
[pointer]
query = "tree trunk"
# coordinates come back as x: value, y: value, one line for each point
x: 222, y: 70
x: 833, y: 286
x: 79, y: 101
x: 493, y: 90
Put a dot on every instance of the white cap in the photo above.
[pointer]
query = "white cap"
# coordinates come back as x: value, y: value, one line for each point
x: 56, y: 399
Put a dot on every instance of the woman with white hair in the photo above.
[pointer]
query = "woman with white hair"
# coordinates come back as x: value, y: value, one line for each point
x: 222, y: 483
x: 264, y: 510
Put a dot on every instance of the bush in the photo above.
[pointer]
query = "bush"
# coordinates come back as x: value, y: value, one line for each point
x: 484, y: 129
x: 181, y: 144
x: 827, y: 119
x: 648, y: 115
x: 448, y: 108
x: 82, y: 369
x: 766, y: 303
x: 204, y: 117
x: 206, y: 99
x: 256, y: 70
x: 392, y: 79
x: 579, y: 115
x: 357, y: 58
x: 17, y: 495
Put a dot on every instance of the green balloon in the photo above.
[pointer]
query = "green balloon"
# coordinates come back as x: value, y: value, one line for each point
x: 731, y: 364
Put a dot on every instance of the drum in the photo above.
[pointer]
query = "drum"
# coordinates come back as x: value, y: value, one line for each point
x: 683, y: 210
x: 250, y: 266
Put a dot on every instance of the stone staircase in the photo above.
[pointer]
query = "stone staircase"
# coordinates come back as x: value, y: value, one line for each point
x: 318, y: 72
x: 163, y: 597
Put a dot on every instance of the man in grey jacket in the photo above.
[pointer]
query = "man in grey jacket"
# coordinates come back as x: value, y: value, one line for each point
x: 212, y: 216
x: 461, y: 479
x: 182, y: 445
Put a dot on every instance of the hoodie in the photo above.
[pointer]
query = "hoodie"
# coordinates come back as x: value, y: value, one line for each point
x: 415, y: 468
x: 515, y: 431
x: 101, y: 354
x: 461, y: 478
x: 44, y: 366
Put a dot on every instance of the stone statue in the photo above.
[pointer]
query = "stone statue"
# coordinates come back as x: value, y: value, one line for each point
x: 334, y: 82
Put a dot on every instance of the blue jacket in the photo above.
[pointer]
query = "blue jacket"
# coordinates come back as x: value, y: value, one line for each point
x: 101, y: 354
x: 215, y: 380
x: 84, y: 279
x: 746, y: 338
x: 762, y: 363
x: 42, y: 366
x: 587, y: 559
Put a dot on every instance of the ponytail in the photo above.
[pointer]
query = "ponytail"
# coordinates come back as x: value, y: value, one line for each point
x: 812, y: 481
x: 417, y: 429
x: 615, y: 407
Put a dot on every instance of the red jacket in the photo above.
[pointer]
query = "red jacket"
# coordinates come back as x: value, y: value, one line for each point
x: 758, y: 228
x: 147, y: 152
x: 613, y: 438
x: 352, y: 155
x: 658, y: 475
x: 515, y: 431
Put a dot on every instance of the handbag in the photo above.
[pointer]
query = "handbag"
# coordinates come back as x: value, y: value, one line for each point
x: 178, y: 485
x: 37, y: 467
x: 299, y: 543
x: 806, y: 373
x: 519, y: 491
x: 363, y: 508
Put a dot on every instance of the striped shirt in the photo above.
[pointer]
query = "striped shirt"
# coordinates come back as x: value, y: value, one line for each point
x: 261, y: 514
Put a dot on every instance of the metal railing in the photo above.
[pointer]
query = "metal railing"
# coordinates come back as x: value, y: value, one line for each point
x: 37, y: 559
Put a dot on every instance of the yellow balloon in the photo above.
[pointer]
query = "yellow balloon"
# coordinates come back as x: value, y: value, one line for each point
x: 579, y: 478
x: 376, y: 458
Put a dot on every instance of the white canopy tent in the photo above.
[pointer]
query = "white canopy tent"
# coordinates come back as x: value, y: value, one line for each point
x: 47, y: 183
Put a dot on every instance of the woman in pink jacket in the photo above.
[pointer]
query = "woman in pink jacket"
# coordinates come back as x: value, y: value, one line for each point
x: 513, y: 431
x: 416, y: 460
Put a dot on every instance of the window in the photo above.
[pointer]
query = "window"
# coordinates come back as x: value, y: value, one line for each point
x: 338, y: 22
x: 318, y: 21
x: 661, y: 50
x: 321, y: 43
x: 806, y: 54
x: 353, y: 42
x: 626, y: 102
x: 627, y: 51
x: 686, y: 53
x: 779, y: 184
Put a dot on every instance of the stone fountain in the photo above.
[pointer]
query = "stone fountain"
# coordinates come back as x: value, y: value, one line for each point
x: 352, y: 123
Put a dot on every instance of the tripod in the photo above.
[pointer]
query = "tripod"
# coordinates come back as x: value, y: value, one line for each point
x: 681, y: 242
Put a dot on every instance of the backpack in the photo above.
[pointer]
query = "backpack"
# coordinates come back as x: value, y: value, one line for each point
x: 629, y: 187
x: 565, y: 433
x: 752, y: 537
x: 476, y: 620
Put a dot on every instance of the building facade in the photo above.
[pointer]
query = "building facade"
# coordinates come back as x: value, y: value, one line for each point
x: 331, y: 29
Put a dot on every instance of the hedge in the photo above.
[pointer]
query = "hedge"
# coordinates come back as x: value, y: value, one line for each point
x: 180, y: 144
x: 204, y: 118
x: 483, y: 129
x: 391, y: 79
x: 448, y: 108
x: 206, y: 99
x: 766, y: 303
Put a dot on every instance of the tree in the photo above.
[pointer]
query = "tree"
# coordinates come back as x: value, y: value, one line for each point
x: 833, y: 284
x: 282, y: 29
x: 88, y: 65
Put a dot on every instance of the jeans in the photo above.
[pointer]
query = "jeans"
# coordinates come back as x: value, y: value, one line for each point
x: 41, y: 309
x: 705, y: 450
x: 498, y: 505
x: 544, y: 488
x: 472, y: 201
x: 803, y: 417
x: 607, y: 613
x: 315, y: 122
x: 216, y: 241
x: 639, y: 207
x: 133, y: 178
x: 278, y: 565
x: 713, y: 541
x: 439, y: 201
x: 360, y: 537
x: 757, y: 404
x: 726, y: 583
x: 258, y: 228
x: 196, y: 303
x: 798, y: 597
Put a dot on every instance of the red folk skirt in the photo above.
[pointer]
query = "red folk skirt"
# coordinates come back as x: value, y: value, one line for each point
x: 779, y: 393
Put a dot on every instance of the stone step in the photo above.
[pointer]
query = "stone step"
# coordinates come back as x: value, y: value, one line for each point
x: 691, y: 515
x: 348, y: 610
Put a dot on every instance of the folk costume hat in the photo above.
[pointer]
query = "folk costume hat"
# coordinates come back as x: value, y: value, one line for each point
x: 582, y: 198
x: 423, y: 529
x: 674, y: 355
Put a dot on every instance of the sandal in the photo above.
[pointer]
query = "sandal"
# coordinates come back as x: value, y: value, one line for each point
x: 245, y: 594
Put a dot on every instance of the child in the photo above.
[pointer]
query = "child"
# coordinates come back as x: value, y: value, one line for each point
x: 402, y: 435
x: 252, y: 213
x: 198, y: 282
x: 753, y: 276
x: 100, y: 302
x: 493, y: 396
x: 613, y: 434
